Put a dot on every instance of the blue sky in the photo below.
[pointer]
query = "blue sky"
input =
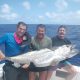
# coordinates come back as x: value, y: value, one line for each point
x: 40, y: 11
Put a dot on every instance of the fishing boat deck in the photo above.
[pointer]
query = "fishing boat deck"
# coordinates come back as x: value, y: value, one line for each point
x: 59, y: 74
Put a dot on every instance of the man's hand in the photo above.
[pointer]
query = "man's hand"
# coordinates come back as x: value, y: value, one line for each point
x: 2, y: 56
x: 70, y: 68
x: 25, y: 66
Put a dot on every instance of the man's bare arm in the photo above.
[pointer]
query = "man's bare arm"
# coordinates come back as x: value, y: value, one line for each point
x: 2, y: 56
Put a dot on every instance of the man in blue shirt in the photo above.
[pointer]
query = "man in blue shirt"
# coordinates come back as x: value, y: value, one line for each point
x: 15, y: 44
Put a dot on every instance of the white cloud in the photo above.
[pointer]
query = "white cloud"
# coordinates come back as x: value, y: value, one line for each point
x: 41, y: 17
x: 5, y: 8
x: 26, y: 5
x: 11, y: 16
x: 77, y: 0
x: 65, y: 18
x: 48, y: 14
x: 41, y: 4
x: 30, y: 18
x: 51, y: 15
x: 77, y: 14
x: 61, y: 5
x: 6, y: 13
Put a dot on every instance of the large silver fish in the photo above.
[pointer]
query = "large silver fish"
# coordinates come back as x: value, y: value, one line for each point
x: 45, y: 57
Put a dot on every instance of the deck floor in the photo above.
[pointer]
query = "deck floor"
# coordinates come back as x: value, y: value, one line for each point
x: 62, y: 75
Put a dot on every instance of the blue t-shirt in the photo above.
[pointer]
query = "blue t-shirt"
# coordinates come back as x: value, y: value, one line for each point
x: 12, y: 48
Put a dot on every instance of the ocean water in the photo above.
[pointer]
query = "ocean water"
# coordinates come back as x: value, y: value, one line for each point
x: 73, y: 32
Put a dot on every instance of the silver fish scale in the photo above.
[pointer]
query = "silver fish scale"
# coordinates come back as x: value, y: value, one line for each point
x: 44, y: 57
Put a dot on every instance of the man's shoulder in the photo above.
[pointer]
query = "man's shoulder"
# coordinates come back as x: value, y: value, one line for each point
x: 47, y: 37
x: 8, y: 34
x: 68, y: 40
x: 54, y: 38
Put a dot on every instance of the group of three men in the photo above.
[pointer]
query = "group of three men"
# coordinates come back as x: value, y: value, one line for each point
x: 20, y: 42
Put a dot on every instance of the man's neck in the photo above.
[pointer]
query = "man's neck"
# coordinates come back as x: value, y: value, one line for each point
x: 39, y: 39
x: 19, y: 36
x: 61, y: 37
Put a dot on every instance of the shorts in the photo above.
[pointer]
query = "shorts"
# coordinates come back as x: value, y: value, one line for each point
x: 33, y: 68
